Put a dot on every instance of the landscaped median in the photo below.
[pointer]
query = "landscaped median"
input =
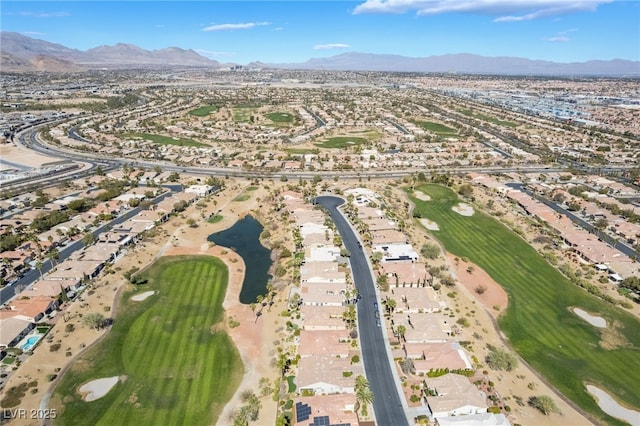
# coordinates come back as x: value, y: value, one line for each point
x: 174, y: 361
x: 539, y: 323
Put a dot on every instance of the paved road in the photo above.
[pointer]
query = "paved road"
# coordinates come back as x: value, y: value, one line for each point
x: 387, y: 404
x: 618, y: 245
x: 8, y: 292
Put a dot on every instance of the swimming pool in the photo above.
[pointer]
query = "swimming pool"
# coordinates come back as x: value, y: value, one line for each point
x: 30, y: 342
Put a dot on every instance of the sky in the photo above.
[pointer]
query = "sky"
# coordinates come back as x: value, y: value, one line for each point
x: 294, y: 31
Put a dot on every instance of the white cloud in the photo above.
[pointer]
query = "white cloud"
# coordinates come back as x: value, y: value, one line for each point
x: 211, y: 54
x: 561, y: 36
x: 504, y: 10
x: 44, y: 14
x: 243, y: 26
x: 331, y: 46
x: 558, y: 39
x: 32, y: 33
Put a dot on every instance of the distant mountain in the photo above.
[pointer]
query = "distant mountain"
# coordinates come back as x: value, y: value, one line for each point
x: 27, y: 47
x: 257, y: 65
x: 123, y: 55
x: 18, y: 52
x: 11, y: 63
x: 465, y: 63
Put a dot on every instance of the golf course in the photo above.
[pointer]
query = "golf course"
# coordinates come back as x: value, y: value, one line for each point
x: 538, y: 323
x: 174, y: 361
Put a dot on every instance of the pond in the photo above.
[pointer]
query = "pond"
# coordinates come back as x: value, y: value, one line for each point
x: 244, y: 238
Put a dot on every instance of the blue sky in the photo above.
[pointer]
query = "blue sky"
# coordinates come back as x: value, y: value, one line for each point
x: 294, y: 31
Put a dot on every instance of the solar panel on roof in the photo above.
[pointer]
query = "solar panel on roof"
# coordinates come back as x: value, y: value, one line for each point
x: 303, y: 411
x: 321, y: 421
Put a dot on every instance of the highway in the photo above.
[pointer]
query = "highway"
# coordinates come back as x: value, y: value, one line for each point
x: 387, y: 405
x: 94, y: 159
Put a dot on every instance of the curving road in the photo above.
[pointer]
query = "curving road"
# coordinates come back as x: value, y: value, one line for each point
x: 387, y: 405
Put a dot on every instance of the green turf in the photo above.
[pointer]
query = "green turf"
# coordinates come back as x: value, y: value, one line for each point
x: 242, y: 197
x: 242, y: 114
x: 179, y: 368
x: 437, y: 128
x: 538, y: 322
x: 300, y: 151
x: 203, y: 111
x: 292, y: 383
x: 164, y: 140
x: 341, y: 142
x: 215, y: 219
x: 487, y: 118
x: 280, y: 117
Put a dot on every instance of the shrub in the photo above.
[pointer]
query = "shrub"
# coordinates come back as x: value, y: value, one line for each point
x: 430, y: 251
x: 499, y: 359
x: 544, y: 404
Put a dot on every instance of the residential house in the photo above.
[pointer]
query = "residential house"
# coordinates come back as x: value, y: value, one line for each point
x: 454, y: 395
x: 325, y: 374
x: 336, y: 409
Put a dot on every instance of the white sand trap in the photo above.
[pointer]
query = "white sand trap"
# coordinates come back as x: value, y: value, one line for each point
x: 430, y: 225
x: 591, y: 319
x: 140, y: 297
x: 96, y: 389
x: 464, y: 209
x: 612, y: 408
x: 422, y: 196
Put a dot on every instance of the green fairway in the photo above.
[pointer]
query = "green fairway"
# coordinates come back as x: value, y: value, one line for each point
x: 437, y: 128
x: 300, y: 151
x: 178, y: 366
x: 203, y: 111
x: 164, y: 140
x: 280, y: 118
x: 342, y: 142
x: 538, y: 322
x: 242, y: 114
x: 487, y: 118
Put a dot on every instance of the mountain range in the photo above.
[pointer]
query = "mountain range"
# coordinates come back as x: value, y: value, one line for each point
x: 22, y: 53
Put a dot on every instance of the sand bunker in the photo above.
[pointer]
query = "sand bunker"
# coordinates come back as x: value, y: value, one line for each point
x: 464, y: 209
x: 140, y: 297
x: 591, y: 319
x: 430, y: 225
x: 421, y: 196
x: 611, y: 407
x: 96, y: 389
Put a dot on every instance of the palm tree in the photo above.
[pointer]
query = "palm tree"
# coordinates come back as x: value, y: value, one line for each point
x: 391, y: 305
x: 349, y: 316
x: 364, y: 395
x: 401, y: 330
x: 53, y: 256
x: 39, y: 265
